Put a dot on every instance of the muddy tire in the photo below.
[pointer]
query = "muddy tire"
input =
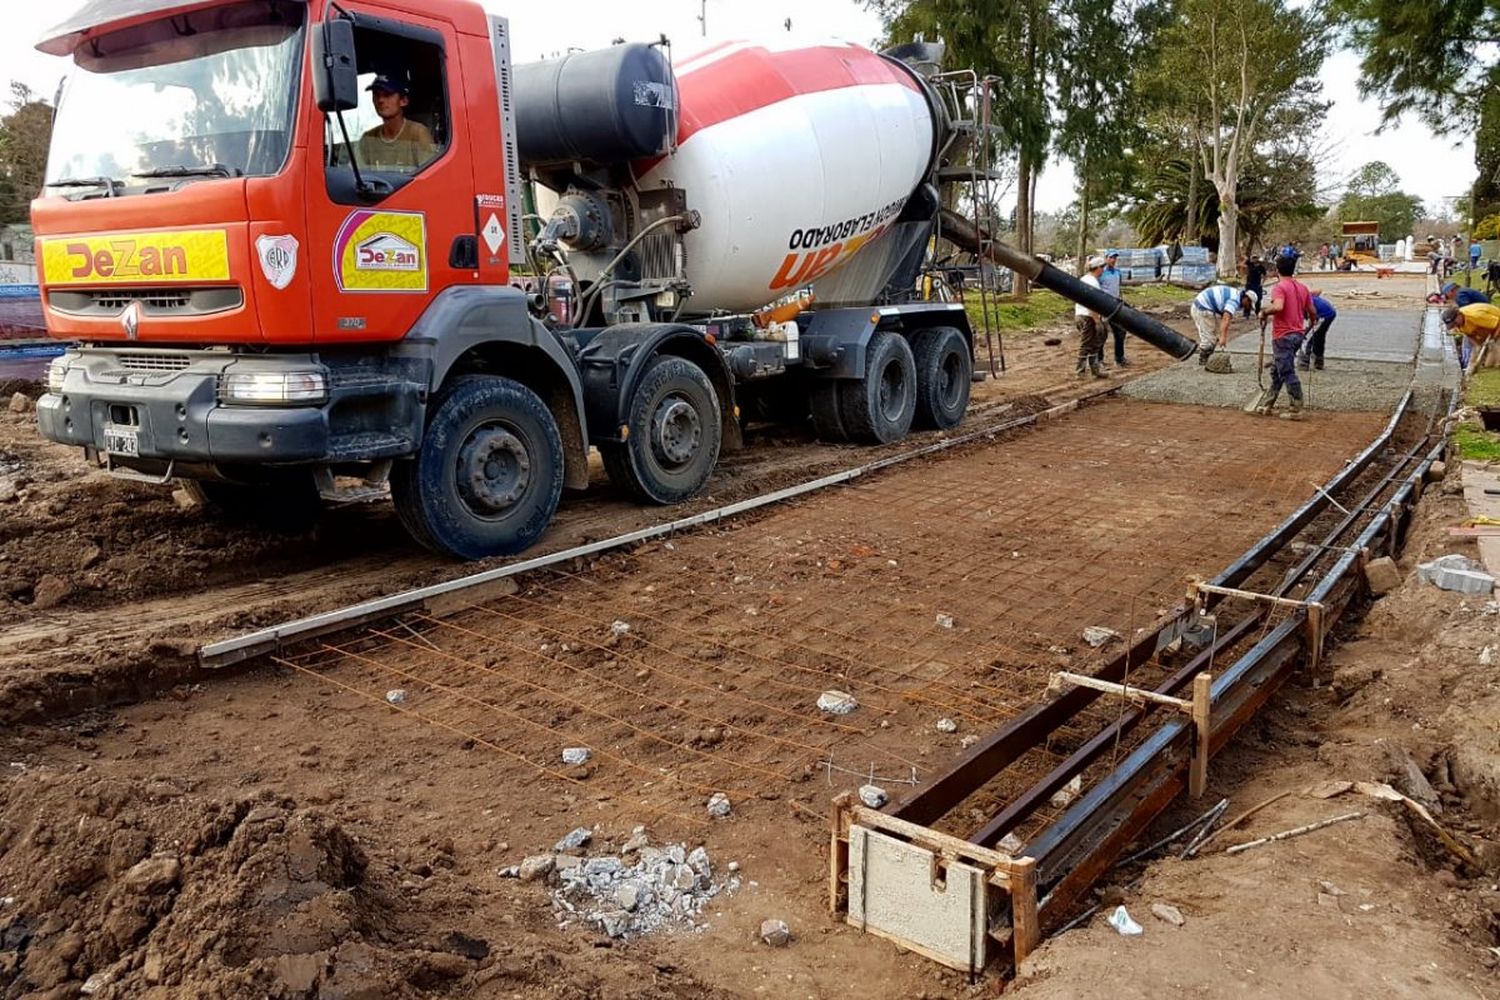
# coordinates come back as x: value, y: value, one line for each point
x: 878, y: 408
x: 489, y: 474
x: 675, y: 434
x: 945, y: 371
x: 287, y: 504
x: 823, y: 401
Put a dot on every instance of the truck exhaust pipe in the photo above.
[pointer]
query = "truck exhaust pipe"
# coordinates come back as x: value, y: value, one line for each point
x: 965, y: 235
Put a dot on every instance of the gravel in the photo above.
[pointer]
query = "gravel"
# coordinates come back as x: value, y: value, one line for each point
x: 663, y: 889
x: 1343, y: 385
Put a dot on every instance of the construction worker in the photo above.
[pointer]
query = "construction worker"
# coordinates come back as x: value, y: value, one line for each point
x: 1291, y: 312
x: 1476, y: 324
x: 1211, y: 311
x: 1255, y: 275
x: 1090, y: 327
x: 1311, y: 355
x: 1109, y: 281
x: 1458, y: 296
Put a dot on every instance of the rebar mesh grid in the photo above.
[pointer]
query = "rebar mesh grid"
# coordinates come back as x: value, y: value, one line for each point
x: 947, y: 589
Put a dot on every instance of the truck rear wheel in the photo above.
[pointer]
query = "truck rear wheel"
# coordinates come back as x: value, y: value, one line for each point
x: 674, y: 434
x: 945, y: 369
x: 879, y: 407
x: 823, y: 400
x: 489, y: 474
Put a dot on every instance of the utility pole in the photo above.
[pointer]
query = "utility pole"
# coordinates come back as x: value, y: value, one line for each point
x: 703, y: 16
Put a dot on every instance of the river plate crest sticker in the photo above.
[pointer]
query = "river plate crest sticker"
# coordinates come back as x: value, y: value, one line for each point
x: 278, y: 259
x: 381, y: 252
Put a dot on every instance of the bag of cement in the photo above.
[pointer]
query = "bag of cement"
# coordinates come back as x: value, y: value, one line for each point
x: 1218, y: 364
x: 1457, y: 573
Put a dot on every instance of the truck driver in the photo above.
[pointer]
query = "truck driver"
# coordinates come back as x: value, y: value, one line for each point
x: 397, y: 144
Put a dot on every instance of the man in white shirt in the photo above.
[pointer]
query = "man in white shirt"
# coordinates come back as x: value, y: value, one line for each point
x: 1090, y: 327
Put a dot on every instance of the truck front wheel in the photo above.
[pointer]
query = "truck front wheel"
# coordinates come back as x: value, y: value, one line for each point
x: 945, y: 370
x: 674, y: 433
x: 489, y: 474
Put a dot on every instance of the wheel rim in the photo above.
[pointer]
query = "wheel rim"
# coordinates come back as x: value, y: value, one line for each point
x: 892, y: 401
x: 494, y: 469
x: 676, y: 432
x: 952, y: 376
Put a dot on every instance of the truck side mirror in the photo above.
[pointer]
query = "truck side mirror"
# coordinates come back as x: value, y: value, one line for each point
x: 336, y: 79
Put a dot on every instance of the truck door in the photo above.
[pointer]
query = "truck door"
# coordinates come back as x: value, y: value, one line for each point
x: 382, y: 238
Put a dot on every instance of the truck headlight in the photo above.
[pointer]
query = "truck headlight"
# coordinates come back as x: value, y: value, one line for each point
x: 56, y: 369
x: 273, y: 388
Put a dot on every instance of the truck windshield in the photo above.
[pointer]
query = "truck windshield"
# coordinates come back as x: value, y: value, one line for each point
x: 201, y: 95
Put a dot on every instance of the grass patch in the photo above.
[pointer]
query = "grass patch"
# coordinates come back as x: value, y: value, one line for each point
x: 1475, y: 443
x: 1484, y: 388
x: 1044, y: 309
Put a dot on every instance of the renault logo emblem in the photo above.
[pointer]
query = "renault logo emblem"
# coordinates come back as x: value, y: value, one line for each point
x: 130, y: 319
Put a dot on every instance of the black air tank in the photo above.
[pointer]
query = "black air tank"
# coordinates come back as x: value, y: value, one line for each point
x: 606, y: 106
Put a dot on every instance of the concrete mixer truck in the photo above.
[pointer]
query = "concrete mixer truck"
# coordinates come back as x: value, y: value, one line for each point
x: 309, y: 249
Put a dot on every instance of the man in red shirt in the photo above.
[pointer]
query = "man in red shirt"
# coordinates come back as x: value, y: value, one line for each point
x: 1290, y: 307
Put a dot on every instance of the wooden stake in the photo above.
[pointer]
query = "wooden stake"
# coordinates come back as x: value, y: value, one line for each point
x: 838, y: 855
x: 1025, y: 921
x: 1202, y: 712
x: 1135, y: 694
x: 1294, y: 832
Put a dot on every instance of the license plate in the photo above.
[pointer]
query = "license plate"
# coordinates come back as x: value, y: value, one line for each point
x: 122, y: 441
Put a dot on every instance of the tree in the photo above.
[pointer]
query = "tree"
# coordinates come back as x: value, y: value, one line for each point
x: 1231, y: 65
x: 1015, y: 41
x: 1374, y: 194
x: 25, y: 134
x: 1373, y: 179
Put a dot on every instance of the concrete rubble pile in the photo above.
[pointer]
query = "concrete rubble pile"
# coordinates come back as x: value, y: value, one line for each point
x: 641, y: 891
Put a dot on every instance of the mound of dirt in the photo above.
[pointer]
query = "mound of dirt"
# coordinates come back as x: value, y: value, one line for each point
x: 136, y: 889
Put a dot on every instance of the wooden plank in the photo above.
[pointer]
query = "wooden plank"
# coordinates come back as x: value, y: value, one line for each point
x: 1135, y: 694
x: 838, y: 854
x: 941, y: 843
x: 1202, y: 712
x: 1024, y: 917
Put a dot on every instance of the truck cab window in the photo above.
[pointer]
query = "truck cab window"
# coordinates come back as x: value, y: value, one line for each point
x: 403, y: 123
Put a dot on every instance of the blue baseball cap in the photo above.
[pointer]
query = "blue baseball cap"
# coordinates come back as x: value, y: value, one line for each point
x: 1450, y: 287
x: 390, y: 84
x: 1111, y: 253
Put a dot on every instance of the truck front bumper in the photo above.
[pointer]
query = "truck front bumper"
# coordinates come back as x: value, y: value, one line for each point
x: 149, y: 408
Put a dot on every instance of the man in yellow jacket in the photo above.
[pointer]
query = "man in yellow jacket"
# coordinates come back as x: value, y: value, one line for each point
x: 1477, y: 324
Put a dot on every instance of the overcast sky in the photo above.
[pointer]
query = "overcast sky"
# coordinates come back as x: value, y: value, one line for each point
x: 1430, y: 167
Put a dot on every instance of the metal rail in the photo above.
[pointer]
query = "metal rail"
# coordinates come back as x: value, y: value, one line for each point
x: 234, y: 650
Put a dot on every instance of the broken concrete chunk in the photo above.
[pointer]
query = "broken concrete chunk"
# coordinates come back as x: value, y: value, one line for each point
x: 396, y: 696
x: 620, y: 628
x: 20, y: 403
x: 1457, y: 573
x: 1098, y: 635
x: 873, y: 796
x: 1410, y: 779
x: 1382, y: 576
x: 635, y: 843
x: 628, y: 896
x: 1068, y: 792
x: 944, y: 620
x: 836, y: 702
x: 575, y: 839
x: 576, y: 755
x: 1012, y: 845
x: 775, y: 933
x: 1167, y: 912
x: 718, y: 805
x: 947, y: 726
x: 536, y: 866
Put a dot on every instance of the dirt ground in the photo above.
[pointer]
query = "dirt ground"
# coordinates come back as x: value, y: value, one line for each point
x: 228, y: 837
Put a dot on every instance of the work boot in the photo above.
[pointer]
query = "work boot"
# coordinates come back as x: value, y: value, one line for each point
x: 1204, y: 353
x: 1303, y: 361
x: 1083, y: 369
x: 1121, y: 363
x: 1318, y: 362
x: 1295, y: 410
x: 1097, y: 367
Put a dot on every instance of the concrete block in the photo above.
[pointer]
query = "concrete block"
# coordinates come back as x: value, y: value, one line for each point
x: 893, y: 893
x: 1382, y: 575
x: 1436, y: 471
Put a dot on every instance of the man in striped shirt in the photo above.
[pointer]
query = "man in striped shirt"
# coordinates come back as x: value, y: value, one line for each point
x: 1211, y: 312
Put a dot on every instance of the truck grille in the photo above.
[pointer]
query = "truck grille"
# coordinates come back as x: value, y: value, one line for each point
x: 154, y: 301
x: 153, y: 362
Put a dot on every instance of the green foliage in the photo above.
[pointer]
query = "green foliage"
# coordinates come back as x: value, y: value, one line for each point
x: 1397, y: 213
x: 1488, y: 228
x: 1419, y: 55
x: 1043, y: 309
x: 1475, y: 443
x: 1485, y: 197
x: 24, y: 136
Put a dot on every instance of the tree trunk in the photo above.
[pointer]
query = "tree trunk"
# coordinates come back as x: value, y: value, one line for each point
x: 1083, y: 214
x: 1023, y: 218
x: 1229, y: 225
x: 1192, y: 231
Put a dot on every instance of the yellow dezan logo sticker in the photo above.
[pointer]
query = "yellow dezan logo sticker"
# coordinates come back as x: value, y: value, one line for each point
x: 381, y: 252
x: 136, y: 258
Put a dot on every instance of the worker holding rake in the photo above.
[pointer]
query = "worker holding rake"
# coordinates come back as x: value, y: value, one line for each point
x: 1290, y: 308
